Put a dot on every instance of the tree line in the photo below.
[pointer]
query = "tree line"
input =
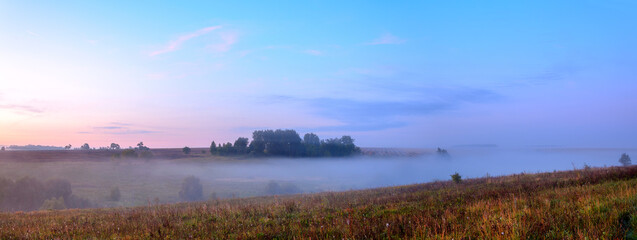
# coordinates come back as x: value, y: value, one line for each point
x: 286, y: 143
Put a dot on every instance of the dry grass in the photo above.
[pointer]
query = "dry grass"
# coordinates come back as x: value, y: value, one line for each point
x: 586, y: 204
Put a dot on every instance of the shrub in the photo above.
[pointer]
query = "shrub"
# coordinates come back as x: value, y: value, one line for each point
x: 78, y: 202
x: 58, y: 188
x: 456, y: 178
x: 273, y: 188
x: 147, y: 154
x: 186, y: 150
x: 115, y: 194
x: 191, y: 189
x: 53, y: 204
x: 129, y: 153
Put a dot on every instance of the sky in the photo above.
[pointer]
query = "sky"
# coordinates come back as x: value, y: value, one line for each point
x: 390, y: 74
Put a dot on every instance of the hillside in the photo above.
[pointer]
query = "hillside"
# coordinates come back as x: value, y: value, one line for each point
x: 593, y: 203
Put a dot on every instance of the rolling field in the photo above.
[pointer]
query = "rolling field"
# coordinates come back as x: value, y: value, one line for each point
x: 598, y: 203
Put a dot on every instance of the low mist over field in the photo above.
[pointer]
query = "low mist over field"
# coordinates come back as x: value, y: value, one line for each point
x: 141, y: 182
x: 254, y: 120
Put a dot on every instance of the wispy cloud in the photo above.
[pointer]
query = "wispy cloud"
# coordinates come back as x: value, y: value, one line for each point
x: 33, y: 34
x: 314, y: 52
x: 386, y: 38
x: 176, y: 44
x: 116, y: 128
x: 358, y: 115
x: 108, y: 128
x: 227, y: 40
x: 121, y: 124
x: 553, y: 74
x: 20, y: 108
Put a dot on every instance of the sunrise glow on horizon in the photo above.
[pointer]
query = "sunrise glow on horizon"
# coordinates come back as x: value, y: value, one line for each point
x: 411, y: 74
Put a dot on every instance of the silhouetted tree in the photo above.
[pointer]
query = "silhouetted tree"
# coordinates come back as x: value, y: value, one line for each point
x: 115, y: 146
x: 85, y: 146
x: 312, y: 145
x: 226, y: 149
x: 67, y: 147
x: 191, y: 189
x: 625, y: 160
x: 141, y: 146
x: 338, y: 147
x: 186, y: 150
x: 241, y: 145
x: 311, y: 139
x: 278, y: 142
x: 213, y: 148
x: 442, y: 153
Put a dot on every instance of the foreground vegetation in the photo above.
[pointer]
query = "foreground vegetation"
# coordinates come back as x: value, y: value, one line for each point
x: 593, y: 203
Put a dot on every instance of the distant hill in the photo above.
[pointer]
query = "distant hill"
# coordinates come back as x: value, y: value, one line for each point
x: 33, y: 147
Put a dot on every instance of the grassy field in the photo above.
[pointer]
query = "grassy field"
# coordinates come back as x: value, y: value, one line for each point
x: 598, y: 203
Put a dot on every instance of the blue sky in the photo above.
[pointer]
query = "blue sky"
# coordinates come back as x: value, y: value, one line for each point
x: 414, y: 74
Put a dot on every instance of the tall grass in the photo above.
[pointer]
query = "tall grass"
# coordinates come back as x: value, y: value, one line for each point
x: 583, y: 204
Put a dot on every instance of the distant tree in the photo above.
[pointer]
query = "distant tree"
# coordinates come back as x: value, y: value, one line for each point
x: 115, y: 146
x: 456, y: 178
x: 226, y: 149
x: 2, y: 149
x: 278, y: 142
x: 338, y: 147
x: 85, y: 146
x: 186, y: 150
x: 58, y: 188
x: 625, y: 160
x: 311, y: 139
x: 241, y: 145
x: 27, y: 194
x: 67, y: 147
x: 115, y: 194
x: 213, y: 148
x: 312, y: 145
x: 141, y: 146
x: 442, y: 153
x: 191, y: 189
x: 274, y: 188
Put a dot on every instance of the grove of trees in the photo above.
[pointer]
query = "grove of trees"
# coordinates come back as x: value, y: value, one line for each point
x: 287, y: 143
x: 27, y: 194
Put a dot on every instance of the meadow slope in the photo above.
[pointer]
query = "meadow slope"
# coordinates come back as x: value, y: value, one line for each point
x: 598, y: 203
